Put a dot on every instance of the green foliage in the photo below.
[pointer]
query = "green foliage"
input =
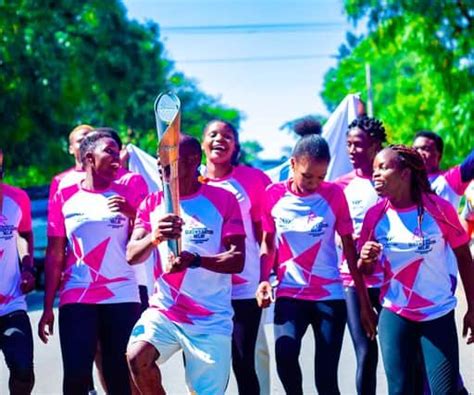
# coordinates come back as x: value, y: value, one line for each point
x: 67, y: 62
x: 422, y: 65
x: 249, y: 151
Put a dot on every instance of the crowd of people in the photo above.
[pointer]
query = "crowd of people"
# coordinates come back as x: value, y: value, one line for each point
x: 378, y: 249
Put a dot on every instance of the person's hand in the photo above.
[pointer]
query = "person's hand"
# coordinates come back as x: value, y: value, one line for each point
x: 27, y: 281
x: 45, y: 325
x: 118, y: 204
x: 264, y: 294
x: 369, y: 255
x: 368, y: 319
x: 468, y: 325
x: 179, y: 263
x: 168, y: 227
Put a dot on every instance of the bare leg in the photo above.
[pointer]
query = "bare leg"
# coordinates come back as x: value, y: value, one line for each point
x: 146, y: 375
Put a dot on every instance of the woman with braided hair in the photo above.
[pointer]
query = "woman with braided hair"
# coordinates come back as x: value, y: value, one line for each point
x: 365, y: 137
x: 415, y: 236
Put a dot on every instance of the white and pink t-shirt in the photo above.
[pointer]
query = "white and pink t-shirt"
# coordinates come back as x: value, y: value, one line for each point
x: 68, y: 177
x: 360, y: 195
x: 418, y: 283
x: 449, y: 185
x: 248, y: 186
x: 96, y: 269
x: 124, y: 177
x: 305, y: 229
x: 198, y: 300
x: 131, y: 180
x: 15, y: 218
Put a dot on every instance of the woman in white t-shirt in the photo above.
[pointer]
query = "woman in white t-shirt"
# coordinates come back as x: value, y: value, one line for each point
x: 417, y: 239
x: 88, y: 231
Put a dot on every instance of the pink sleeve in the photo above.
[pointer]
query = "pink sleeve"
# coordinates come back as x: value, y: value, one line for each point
x: 272, y: 194
x: 335, y: 197
x: 25, y: 206
x: 233, y: 224
x: 453, y: 177
x: 53, y: 188
x: 343, y: 216
x: 368, y: 226
x: 261, y: 183
x: 447, y: 219
x: 140, y: 189
x: 254, y: 182
x: 142, y: 219
x: 344, y: 180
x: 56, y: 226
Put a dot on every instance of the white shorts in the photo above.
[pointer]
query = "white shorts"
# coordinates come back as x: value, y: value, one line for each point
x: 207, y: 356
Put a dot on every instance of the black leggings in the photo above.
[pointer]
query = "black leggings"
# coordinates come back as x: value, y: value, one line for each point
x: 401, y: 341
x: 16, y: 342
x: 366, y: 350
x: 244, y: 337
x: 328, y: 320
x: 81, y: 326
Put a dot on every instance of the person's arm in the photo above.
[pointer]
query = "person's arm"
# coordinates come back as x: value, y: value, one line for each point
x: 467, y: 168
x: 258, y: 231
x: 229, y: 262
x: 466, y: 271
x: 267, y: 263
x: 54, y: 264
x: 25, y: 253
x: 367, y: 314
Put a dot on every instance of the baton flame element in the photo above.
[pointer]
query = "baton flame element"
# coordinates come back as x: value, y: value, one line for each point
x: 168, y: 119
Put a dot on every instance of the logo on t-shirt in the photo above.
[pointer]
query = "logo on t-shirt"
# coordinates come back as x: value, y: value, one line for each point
x: 419, y: 245
x: 196, y: 231
x: 6, y: 231
x: 317, y: 225
x: 423, y: 244
x: 117, y: 221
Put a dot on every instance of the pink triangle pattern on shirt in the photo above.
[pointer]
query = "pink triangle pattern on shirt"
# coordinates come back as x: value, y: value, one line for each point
x: 307, y: 258
x: 417, y: 302
x: 100, y: 279
x: 387, y: 276
x: 94, y: 258
x: 407, y: 276
x: 86, y: 295
x: 284, y: 250
x: 76, y: 248
x: 238, y: 280
x: 5, y: 299
x: 1, y: 253
x: 183, y: 308
x: 174, y: 280
x: 314, y: 290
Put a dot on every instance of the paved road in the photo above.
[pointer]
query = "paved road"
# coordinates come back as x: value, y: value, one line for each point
x: 49, y: 374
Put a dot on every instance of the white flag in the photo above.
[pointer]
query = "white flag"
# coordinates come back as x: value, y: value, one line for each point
x: 334, y: 132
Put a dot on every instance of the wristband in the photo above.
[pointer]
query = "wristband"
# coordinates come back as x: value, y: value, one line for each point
x: 156, y: 240
x: 196, y: 262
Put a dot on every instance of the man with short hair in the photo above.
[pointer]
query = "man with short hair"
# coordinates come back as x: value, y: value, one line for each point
x: 449, y: 184
x: 74, y: 173
x: 191, y: 307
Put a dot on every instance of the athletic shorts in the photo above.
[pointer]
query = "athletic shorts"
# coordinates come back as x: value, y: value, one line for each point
x: 207, y: 356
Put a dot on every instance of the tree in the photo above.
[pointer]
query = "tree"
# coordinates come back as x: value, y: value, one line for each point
x: 68, y: 62
x: 422, y: 67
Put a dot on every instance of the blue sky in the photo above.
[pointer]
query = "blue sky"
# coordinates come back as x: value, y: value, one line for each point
x: 279, y: 72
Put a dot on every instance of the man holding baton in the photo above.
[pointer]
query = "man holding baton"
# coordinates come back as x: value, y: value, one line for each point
x: 191, y: 307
